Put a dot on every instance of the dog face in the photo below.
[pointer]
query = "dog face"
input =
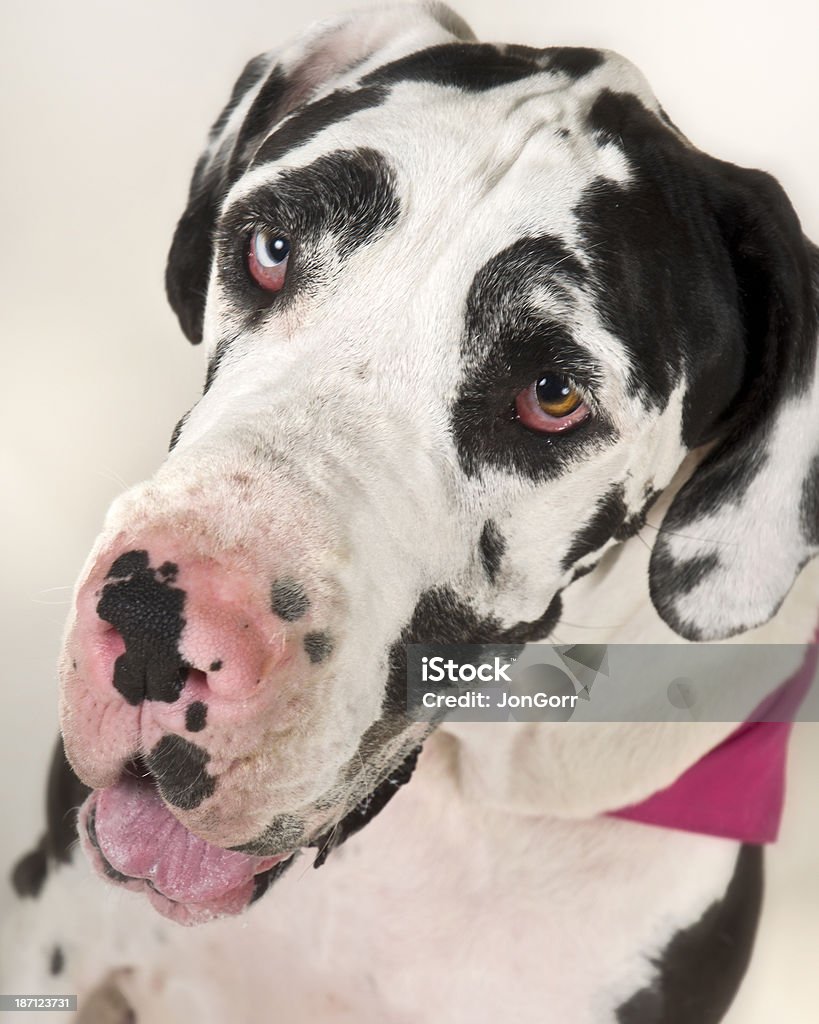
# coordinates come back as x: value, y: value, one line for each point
x: 467, y: 308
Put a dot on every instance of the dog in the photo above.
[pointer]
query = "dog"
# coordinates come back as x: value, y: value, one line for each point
x: 472, y: 312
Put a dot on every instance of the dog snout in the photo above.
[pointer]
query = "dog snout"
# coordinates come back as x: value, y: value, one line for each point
x: 175, y: 648
x: 157, y: 623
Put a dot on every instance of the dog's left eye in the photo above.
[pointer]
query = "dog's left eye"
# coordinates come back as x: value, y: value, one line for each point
x: 267, y: 259
x: 551, y: 404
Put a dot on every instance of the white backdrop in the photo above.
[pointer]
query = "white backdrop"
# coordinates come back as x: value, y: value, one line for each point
x: 103, y: 106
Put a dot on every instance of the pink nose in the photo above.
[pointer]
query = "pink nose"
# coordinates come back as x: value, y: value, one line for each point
x: 151, y: 623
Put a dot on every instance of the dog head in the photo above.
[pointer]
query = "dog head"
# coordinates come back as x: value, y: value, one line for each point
x: 467, y: 308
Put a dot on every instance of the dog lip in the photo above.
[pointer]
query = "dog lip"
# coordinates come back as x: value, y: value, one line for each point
x: 175, y: 853
x: 261, y: 881
x: 107, y: 866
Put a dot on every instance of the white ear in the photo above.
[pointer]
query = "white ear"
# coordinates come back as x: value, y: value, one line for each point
x: 271, y: 87
x: 739, y: 531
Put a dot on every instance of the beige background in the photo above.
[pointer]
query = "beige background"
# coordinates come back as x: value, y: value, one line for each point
x: 103, y: 108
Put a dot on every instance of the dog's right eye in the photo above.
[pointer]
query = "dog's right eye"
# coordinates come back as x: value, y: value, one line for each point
x: 267, y: 259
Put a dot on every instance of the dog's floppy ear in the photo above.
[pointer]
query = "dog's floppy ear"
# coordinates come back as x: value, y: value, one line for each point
x: 739, y: 531
x: 272, y: 86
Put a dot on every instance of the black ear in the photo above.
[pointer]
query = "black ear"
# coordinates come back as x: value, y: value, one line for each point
x: 188, y: 269
x: 270, y: 88
x: 739, y: 531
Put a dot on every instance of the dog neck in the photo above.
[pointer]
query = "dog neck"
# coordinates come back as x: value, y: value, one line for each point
x: 589, y: 768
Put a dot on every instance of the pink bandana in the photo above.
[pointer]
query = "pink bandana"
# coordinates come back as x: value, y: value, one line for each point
x: 737, y: 790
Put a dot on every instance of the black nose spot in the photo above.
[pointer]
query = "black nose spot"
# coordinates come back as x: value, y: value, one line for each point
x: 318, y: 646
x: 125, y: 565
x: 288, y: 599
x: 146, y: 610
x: 196, y: 716
x: 215, y: 665
x: 179, y: 769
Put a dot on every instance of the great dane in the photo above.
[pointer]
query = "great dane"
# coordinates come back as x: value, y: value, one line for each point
x: 472, y: 312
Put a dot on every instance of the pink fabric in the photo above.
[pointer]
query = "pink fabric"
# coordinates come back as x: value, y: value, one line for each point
x: 737, y: 791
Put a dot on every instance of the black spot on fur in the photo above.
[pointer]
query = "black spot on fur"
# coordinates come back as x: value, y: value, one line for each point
x: 318, y: 646
x: 809, y: 505
x: 670, y: 578
x: 146, y: 610
x: 29, y: 873
x: 263, y: 114
x: 188, y: 269
x: 263, y: 881
x: 699, y: 265
x: 252, y: 74
x: 304, y: 125
x: 582, y: 571
x: 57, y: 961
x: 442, y: 617
x: 574, y: 61
x: 284, y: 833
x: 492, y: 547
x: 288, y: 599
x: 714, y: 482
x: 177, y: 431
x: 189, y: 259
x: 214, y: 363
x: 662, y: 276
x: 473, y: 67
x: 606, y: 520
x: 701, y: 968
x: 505, y: 347
x: 684, y: 576
x: 348, y: 195
x: 196, y: 716
x: 179, y: 769
x: 366, y: 809
x: 647, y: 288
x: 637, y: 520
x: 64, y: 794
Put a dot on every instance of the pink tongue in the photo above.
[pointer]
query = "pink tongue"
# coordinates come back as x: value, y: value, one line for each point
x: 140, y: 837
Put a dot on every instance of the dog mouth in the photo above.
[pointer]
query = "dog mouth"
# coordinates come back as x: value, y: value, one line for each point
x: 134, y: 841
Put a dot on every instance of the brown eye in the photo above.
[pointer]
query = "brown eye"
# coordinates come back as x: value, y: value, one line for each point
x: 267, y: 259
x: 556, y: 395
x: 551, y: 404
